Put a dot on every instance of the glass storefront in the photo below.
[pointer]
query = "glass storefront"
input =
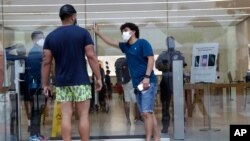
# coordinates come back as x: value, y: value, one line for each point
x: 192, y: 23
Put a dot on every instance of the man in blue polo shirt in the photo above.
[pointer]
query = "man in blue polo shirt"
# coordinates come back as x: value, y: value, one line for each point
x: 140, y: 59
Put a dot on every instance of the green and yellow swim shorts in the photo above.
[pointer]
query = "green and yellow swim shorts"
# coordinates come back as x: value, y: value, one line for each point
x: 75, y: 93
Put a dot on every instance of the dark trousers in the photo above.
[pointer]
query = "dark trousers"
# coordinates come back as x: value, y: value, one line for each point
x: 35, y: 125
x: 36, y: 111
x: 166, y: 88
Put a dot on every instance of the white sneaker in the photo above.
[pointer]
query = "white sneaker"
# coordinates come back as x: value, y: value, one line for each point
x: 128, y: 122
x: 139, y: 122
x: 33, y: 138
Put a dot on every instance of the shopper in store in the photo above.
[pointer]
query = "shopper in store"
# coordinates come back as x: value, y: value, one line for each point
x: 33, y: 100
x: 68, y: 45
x: 140, y: 58
x: 108, y: 83
x: 124, y: 78
x: 102, y: 94
x: 164, y: 63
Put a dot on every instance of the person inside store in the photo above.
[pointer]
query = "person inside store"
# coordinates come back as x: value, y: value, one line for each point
x: 140, y: 57
x: 68, y: 45
x: 108, y: 84
x: 164, y: 63
x: 33, y: 100
x: 124, y: 78
x: 102, y: 94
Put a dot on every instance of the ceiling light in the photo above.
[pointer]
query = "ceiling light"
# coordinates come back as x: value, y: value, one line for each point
x: 155, y: 17
x: 120, y: 12
x: 104, y: 4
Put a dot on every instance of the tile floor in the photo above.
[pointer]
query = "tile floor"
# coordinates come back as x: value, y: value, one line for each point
x: 113, y: 124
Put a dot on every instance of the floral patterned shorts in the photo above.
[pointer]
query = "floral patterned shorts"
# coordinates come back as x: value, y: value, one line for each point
x: 75, y: 93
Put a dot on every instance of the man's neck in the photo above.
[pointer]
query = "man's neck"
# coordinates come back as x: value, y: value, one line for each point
x: 132, y: 40
x: 66, y: 23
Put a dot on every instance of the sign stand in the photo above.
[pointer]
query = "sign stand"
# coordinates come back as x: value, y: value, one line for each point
x: 209, y: 112
x: 204, y: 70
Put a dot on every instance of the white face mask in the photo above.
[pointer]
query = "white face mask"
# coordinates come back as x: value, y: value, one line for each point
x: 40, y: 42
x: 126, y: 36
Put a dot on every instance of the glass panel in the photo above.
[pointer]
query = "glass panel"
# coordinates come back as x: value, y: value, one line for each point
x: 1, y: 48
x: 4, y: 118
x: 190, y: 22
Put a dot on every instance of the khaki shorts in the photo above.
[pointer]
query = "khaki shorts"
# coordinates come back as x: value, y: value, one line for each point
x: 129, y: 95
x: 76, y: 93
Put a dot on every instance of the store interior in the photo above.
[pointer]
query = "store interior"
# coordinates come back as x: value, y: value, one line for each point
x: 225, y: 22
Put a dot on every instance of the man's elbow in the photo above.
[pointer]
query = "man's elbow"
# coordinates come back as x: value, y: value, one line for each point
x: 151, y: 59
x: 46, y: 63
x: 91, y: 56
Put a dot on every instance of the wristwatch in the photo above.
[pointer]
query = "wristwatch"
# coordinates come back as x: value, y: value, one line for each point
x: 147, y: 76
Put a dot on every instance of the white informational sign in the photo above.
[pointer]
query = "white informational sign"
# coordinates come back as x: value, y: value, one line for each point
x: 204, y: 58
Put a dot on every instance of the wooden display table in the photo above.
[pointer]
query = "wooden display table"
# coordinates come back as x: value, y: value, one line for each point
x: 3, y: 90
x: 240, y: 87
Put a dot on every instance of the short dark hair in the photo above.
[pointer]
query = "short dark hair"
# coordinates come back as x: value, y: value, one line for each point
x: 133, y: 27
x: 66, y: 10
x: 35, y: 33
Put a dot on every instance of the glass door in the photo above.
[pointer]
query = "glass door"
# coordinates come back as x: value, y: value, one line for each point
x: 191, y: 23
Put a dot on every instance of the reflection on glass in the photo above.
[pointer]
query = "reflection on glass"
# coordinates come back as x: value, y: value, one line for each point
x: 197, y: 61
x: 204, y: 61
x: 211, y: 60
